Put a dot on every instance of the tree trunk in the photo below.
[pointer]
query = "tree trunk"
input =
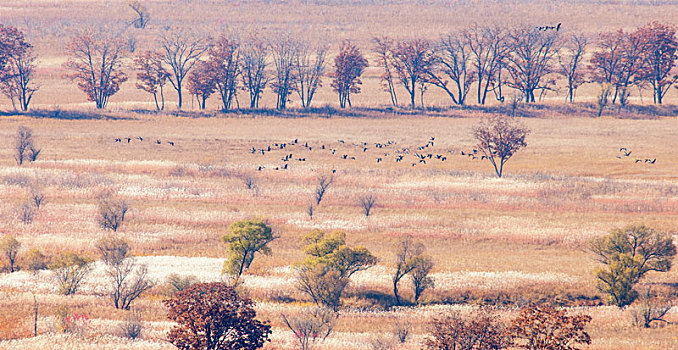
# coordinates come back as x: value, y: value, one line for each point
x: 395, y: 292
x: 179, y: 93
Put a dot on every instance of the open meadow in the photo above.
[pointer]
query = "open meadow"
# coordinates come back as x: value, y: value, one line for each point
x: 496, y: 243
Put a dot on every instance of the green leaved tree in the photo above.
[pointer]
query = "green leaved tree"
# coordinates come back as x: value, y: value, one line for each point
x: 244, y: 239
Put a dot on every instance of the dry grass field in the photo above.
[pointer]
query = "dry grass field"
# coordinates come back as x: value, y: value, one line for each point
x: 498, y: 242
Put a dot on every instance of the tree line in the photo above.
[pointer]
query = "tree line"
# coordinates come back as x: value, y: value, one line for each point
x: 485, y: 58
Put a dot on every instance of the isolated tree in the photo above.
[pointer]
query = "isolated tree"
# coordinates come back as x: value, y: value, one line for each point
x: 628, y: 254
x: 545, y: 327
x: 412, y: 60
x: 660, y: 58
x: 530, y: 60
x: 309, y: 67
x: 324, y: 182
x: 499, y: 138
x: 143, y: 16
x: 224, y: 57
x: 384, y: 49
x: 285, y: 52
x: 111, y: 211
x: 202, y: 82
x: 180, y: 51
x: 128, y: 279
x: 421, y: 281
x: 478, y: 331
x: 255, y: 55
x: 367, y: 202
x: 311, y: 326
x: 453, y: 67
x: 95, y: 62
x: 16, y: 80
x: 328, y: 266
x: 9, y: 246
x: 570, y: 61
x: 488, y: 49
x: 69, y: 270
x: 246, y: 238
x: 212, y: 316
x: 409, y: 255
x: 348, y: 67
x: 24, y: 148
x: 112, y: 250
x: 152, y: 76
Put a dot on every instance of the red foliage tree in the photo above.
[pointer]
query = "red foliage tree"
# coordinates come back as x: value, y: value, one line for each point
x: 152, y: 76
x: 224, y: 57
x: 201, y: 82
x: 348, y: 67
x: 12, y: 43
x: 479, y: 331
x: 548, y: 328
x: 212, y: 316
x: 96, y: 65
x: 660, y: 57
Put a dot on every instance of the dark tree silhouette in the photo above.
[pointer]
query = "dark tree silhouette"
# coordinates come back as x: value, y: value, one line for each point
x: 151, y: 76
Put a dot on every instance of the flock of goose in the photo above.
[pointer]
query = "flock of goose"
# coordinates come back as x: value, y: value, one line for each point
x: 626, y: 154
x: 141, y: 139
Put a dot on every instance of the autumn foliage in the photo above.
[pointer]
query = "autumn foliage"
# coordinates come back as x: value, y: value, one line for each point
x: 348, y: 67
x: 545, y: 327
x: 212, y: 316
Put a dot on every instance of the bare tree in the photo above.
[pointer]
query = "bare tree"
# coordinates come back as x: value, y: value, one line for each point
x: 348, y: 67
x: 128, y: 281
x: 453, y: 63
x: 383, y: 48
x: 152, y: 76
x: 37, y: 196
x: 69, y: 271
x: 412, y: 60
x: 95, y: 61
x: 255, y: 54
x: 250, y: 181
x: 16, y: 81
x: 143, y: 17
x: 112, y: 250
x: 285, y: 51
x: 651, y: 308
x: 530, y: 60
x: 309, y: 210
x: 488, y: 50
x: 420, y: 278
x: 311, y: 326
x: 606, y: 61
x: 181, y: 50
x: 23, y: 145
x: 324, y: 182
x: 499, y: 138
x: 660, y: 58
x: 111, y: 212
x: 10, y: 248
x: 224, y: 57
x: 408, y: 257
x: 309, y: 68
x: 26, y: 212
x: 570, y: 59
x: 366, y: 202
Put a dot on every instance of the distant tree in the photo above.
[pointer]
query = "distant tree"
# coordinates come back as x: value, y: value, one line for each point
x: 367, y: 202
x: 421, y: 281
x: 285, y: 52
x: 128, y: 279
x: 530, y: 60
x: 328, y: 266
x: 69, y: 270
x: 488, y: 50
x: 545, y: 327
x: 384, y: 48
x: 651, y: 308
x: 660, y: 58
x: 9, y: 246
x: 478, y: 331
x: 36, y: 260
x: 606, y: 61
x: 311, y: 326
x: 570, y: 61
x: 499, y: 138
x: 246, y: 238
x: 412, y: 60
x: 12, y: 44
x: 255, y: 55
x: 309, y: 68
x: 24, y: 148
x: 628, y: 254
x: 348, y: 67
x: 152, y: 76
x: 409, y: 255
x: 112, y: 250
x: 181, y: 50
x: 143, y: 17
x: 202, y: 82
x: 324, y: 182
x: 212, y: 316
x: 16, y: 79
x: 453, y: 64
x: 96, y: 62
x: 224, y: 57
x: 111, y: 211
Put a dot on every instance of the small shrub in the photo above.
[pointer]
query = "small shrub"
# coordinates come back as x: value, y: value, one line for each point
x: 36, y: 260
x: 311, y: 326
x: 131, y: 327
x: 366, y: 202
x: 480, y: 330
x: 381, y: 343
x: 112, y: 250
x: 10, y: 249
x: 69, y: 271
x: 324, y: 182
x: 37, y: 197
x: 23, y: 144
x: 26, y: 212
x: 177, y: 283
x: 71, y: 322
x: 402, y: 330
x: 650, y: 309
x: 111, y: 212
x: 545, y: 327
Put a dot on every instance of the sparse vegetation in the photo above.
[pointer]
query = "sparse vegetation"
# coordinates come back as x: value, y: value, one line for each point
x: 111, y: 211
x: 10, y: 249
x: 311, y: 326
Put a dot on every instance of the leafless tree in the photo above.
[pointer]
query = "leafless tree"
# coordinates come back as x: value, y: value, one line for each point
x: 181, y: 49
x: 383, y: 48
x: 255, y: 54
x: 309, y: 68
x: 412, y: 60
x: 530, y: 60
x: 69, y: 271
x: 224, y: 57
x: 37, y: 196
x: 453, y: 65
x: 311, y: 326
x: 16, y: 81
x: 250, y: 181
x: 112, y: 250
x: 402, y: 329
x: 408, y: 257
x: 488, y: 50
x: 10, y: 249
x: 324, y: 182
x: 128, y: 281
x: 143, y: 17
x: 650, y: 308
x: 570, y: 59
x: 285, y: 52
x: 96, y: 62
x: 111, y: 212
x: 26, y: 212
x: 309, y: 210
x: 131, y: 327
x: 23, y: 145
x: 499, y: 138
x: 366, y: 202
